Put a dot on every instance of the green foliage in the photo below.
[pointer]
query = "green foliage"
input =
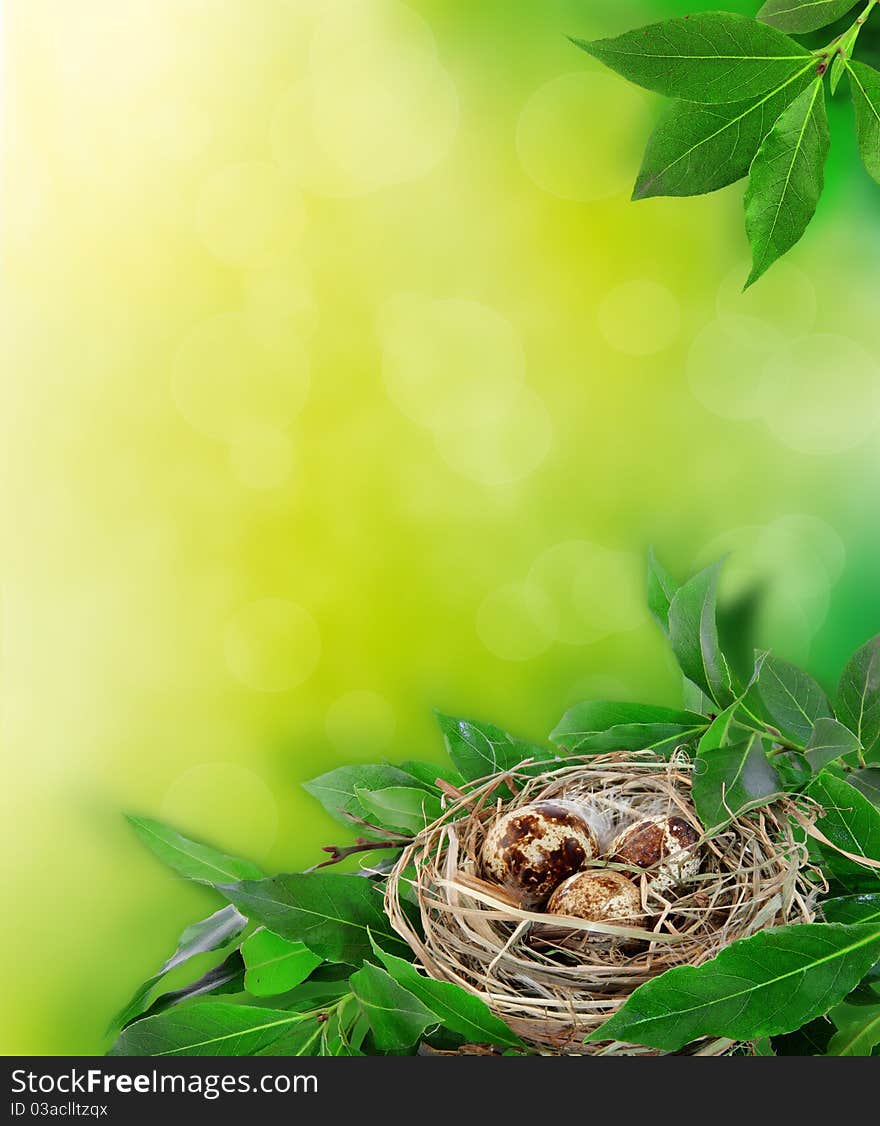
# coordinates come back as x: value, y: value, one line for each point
x: 481, y: 749
x: 189, y: 858
x: 864, y: 82
x: 603, y: 725
x: 786, y: 179
x: 754, y: 987
x: 325, y: 974
x: 337, y: 790
x: 331, y: 914
x: 851, y: 823
x: 858, y: 694
x: 750, y: 101
x: 219, y: 1028
x: 275, y: 965
x: 800, y: 16
x: 397, y: 1017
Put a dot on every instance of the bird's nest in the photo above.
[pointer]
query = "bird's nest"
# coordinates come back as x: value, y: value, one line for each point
x: 555, y: 985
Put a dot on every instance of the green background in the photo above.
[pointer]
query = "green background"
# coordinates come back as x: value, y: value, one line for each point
x: 341, y: 380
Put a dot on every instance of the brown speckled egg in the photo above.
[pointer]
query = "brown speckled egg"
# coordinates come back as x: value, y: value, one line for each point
x: 663, y: 846
x: 532, y: 849
x: 601, y: 895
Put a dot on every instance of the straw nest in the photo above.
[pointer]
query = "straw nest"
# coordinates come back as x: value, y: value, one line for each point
x: 554, y: 985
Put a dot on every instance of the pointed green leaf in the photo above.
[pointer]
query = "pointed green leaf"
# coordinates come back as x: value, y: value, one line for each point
x: 788, y: 699
x: 427, y: 773
x: 765, y: 985
x: 481, y: 749
x: 227, y: 977
x: 274, y: 965
x: 864, y: 908
x: 331, y: 913
x: 460, y: 1011
x: 829, y: 741
x: 601, y: 725
x: 661, y: 588
x: 700, y: 148
x: 337, y: 790
x: 221, y: 1029
x: 397, y: 1018
x: 801, y: 16
x: 865, y: 85
x: 199, y: 938
x: 402, y: 808
x: 851, y: 823
x: 191, y: 859
x: 693, y: 635
x: 786, y: 179
x: 707, y: 57
x: 858, y: 693
x: 858, y: 1030
x: 731, y: 779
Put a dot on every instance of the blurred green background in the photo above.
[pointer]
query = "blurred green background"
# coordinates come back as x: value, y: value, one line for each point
x: 341, y: 380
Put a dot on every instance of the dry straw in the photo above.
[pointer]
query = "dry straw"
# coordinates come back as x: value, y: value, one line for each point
x: 555, y: 986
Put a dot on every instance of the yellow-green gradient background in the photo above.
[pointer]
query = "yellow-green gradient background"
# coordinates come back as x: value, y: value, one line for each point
x: 341, y: 380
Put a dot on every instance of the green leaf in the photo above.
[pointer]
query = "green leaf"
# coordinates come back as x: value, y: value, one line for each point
x: 337, y: 790
x: 731, y: 779
x: 864, y: 908
x: 858, y: 692
x: 402, y: 808
x: 397, y: 1018
x: 811, y: 1040
x: 218, y: 1028
x: 788, y: 699
x: 700, y: 148
x: 458, y: 1010
x: 707, y: 57
x: 786, y: 179
x: 661, y: 588
x: 274, y: 965
x: 864, y: 82
x: 801, y: 16
x: 428, y: 772
x: 199, y: 938
x: 601, y: 725
x: 850, y: 823
x: 191, y: 859
x: 693, y: 635
x: 867, y: 782
x: 331, y: 913
x: 227, y: 977
x: 765, y: 985
x: 829, y: 741
x: 858, y: 1030
x: 481, y: 749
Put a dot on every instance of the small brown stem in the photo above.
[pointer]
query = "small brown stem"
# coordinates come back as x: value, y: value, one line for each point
x: 338, y: 854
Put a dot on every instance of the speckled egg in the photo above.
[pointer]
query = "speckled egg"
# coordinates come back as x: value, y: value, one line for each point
x: 663, y: 847
x: 532, y: 849
x: 601, y: 895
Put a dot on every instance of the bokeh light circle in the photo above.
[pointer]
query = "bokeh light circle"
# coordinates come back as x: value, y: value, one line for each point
x: 262, y: 457
x: 823, y: 394
x: 574, y: 135
x: 224, y: 380
x: 639, y: 317
x: 246, y: 210
x: 272, y: 645
x: 726, y: 365
x: 517, y: 621
x: 226, y: 805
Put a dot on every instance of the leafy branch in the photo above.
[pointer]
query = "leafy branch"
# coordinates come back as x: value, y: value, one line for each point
x: 750, y: 101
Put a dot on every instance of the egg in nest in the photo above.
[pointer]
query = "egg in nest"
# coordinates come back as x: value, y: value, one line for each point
x: 601, y: 896
x: 663, y: 847
x: 532, y: 849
